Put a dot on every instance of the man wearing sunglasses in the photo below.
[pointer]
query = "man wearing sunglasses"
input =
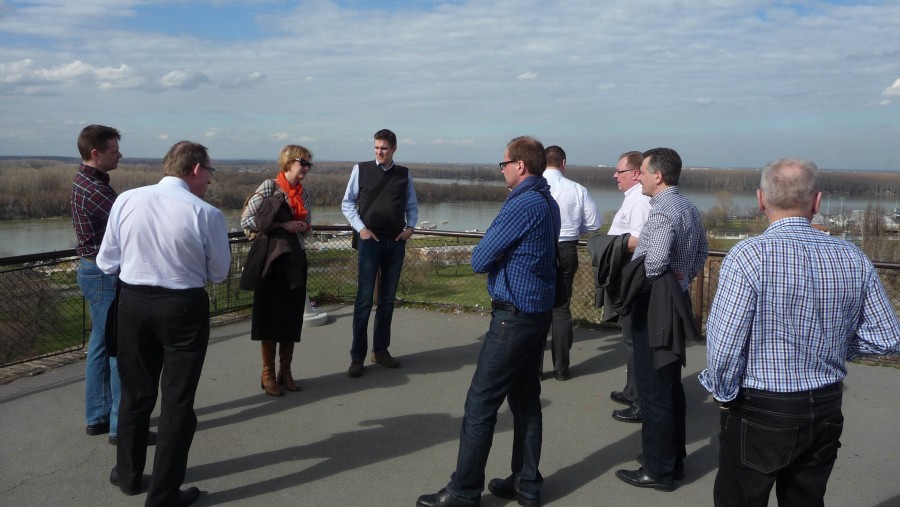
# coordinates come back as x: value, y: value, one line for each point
x: 380, y: 204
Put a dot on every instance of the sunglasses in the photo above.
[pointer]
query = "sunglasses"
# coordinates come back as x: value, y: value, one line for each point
x: 304, y: 162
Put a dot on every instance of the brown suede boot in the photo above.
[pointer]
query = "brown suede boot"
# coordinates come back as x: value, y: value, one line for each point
x: 285, y: 355
x: 268, y: 382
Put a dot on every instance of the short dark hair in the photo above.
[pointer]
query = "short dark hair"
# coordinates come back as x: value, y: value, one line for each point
x: 530, y: 151
x: 665, y: 161
x: 95, y: 137
x: 182, y: 157
x: 633, y: 159
x: 555, y: 156
x: 387, y: 135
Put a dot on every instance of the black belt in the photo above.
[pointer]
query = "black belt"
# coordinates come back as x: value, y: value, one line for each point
x: 504, y: 307
x: 155, y: 289
x: 570, y: 241
x: 829, y: 389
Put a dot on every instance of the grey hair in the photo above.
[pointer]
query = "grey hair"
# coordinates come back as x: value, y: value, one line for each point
x: 789, y: 183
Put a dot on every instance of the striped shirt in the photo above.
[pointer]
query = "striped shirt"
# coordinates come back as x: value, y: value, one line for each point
x: 518, y: 251
x: 92, y: 198
x: 673, y: 238
x: 792, y: 305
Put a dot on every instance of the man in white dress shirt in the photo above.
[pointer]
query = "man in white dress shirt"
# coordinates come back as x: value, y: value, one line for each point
x: 165, y: 243
x: 578, y: 215
x: 630, y: 219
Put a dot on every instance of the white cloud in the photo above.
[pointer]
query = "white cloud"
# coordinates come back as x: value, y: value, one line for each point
x: 454, y: 142
x: 704, y: 101
x: 162, y: 136
x: 281, y: 136
x: 528, y: 75
x: 893, y: 90
x: 183, y: 79
x: 24, y: 72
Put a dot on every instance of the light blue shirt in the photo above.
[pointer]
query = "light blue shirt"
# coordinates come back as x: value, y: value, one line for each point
x: 348, y: 204
x: 165, y: 236
x: 791, y: 306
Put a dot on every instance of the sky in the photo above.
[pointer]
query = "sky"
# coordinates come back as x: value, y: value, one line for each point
x: 727, y: 83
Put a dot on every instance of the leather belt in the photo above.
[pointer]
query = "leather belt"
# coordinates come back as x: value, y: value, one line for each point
x: 504, y: 307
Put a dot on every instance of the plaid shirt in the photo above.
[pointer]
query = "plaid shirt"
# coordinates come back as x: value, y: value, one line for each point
x: 92, y: 198
x: 792, y: 305
x: 518, y: 251
x: 673, y: 238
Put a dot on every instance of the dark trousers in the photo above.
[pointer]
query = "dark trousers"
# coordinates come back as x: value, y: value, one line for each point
x: 662, y: 402
x: 789, y: 440
x: 562, y: 333
x: 630, y: 390
x: 386, y: 256
x: 161, y: 332
x: 507, y: 368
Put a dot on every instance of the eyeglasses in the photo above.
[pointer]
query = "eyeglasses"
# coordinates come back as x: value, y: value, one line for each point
x: 626, y: 171
x: 503, y: 164
x: 208, y: 168
x: 304, y: 162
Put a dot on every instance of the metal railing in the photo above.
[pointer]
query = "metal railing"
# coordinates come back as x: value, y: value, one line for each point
x: 42, y: 312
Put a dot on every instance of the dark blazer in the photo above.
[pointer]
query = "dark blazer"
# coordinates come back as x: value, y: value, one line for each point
x: 609, y: 254
x: 670, y: 321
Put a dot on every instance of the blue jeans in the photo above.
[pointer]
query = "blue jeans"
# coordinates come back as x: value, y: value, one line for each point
x: 386, y: 256
x: 789, y: 440
x: 101, y: 374
x: 508, y: 367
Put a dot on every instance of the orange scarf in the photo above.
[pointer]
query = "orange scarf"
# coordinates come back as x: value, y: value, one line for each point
x: 295, y: 197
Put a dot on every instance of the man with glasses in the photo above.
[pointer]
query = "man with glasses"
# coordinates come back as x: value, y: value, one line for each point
x: 165, y: 243
x: 630, y: 219
x: 518, y: 252
x: 380, y: 204
x: 579, y: 215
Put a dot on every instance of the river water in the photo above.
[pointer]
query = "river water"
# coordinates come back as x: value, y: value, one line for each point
x: 20, y: 237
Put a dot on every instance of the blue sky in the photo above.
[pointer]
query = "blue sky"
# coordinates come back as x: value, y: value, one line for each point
x: 727, y: 83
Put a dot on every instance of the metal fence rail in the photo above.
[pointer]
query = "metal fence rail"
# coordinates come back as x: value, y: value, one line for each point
x: 42, y: 312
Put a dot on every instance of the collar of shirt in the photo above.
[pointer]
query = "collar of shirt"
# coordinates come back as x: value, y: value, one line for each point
x: 93, y: 172
x: 673, y: 190
x: 787, y: 222
x: 383, y: 168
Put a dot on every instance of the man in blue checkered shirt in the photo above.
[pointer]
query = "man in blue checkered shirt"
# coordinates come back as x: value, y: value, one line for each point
x: 672, y: 240
x: 518, y: 252
x: 791, y: 306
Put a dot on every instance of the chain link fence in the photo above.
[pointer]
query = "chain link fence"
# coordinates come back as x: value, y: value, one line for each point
x: 42, y: 312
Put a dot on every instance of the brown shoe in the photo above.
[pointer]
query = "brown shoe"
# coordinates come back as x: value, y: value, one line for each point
x: 356, y: 369
x: 285, y: 356
x: 267, y: 380
x: 385, y: 359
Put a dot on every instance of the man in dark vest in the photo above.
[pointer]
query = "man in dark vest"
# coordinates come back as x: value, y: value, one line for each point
x: 380, y: 203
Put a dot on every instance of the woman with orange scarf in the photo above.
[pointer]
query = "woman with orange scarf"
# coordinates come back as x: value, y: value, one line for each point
x: 278, y: 213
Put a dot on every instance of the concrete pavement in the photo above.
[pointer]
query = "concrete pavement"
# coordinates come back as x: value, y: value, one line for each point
x: 386, y: 438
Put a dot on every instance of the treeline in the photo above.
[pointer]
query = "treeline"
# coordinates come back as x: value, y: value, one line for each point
x: 41, y: 188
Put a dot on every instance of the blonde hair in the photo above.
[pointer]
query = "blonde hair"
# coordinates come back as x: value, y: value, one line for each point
x: 290, y: 153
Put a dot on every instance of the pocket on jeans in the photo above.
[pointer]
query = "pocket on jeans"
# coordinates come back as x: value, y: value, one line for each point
x: 830, y: 441
x: 764, y: 448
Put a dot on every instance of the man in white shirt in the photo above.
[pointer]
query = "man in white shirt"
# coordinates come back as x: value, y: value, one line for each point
x: 578, y: 215
x: 165, y: 243
x: 630, y: 219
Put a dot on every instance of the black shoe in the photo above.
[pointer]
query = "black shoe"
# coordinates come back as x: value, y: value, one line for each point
x: 618, y: 397
x: 356, y: 369
x: 97, y: 429
x: 561, y: 375
x: 444, y: 498
x: 186, y: 497
x: 504, y: 488
x: 642, y: 479
x: 631, y: 414
x: 677, y: 474
x: 151, y: 439
x: 128, y: 490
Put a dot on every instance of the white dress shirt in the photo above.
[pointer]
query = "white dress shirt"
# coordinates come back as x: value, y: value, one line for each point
x: 577, y: 210
x: 165, y: 236
x: 633, y: 214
